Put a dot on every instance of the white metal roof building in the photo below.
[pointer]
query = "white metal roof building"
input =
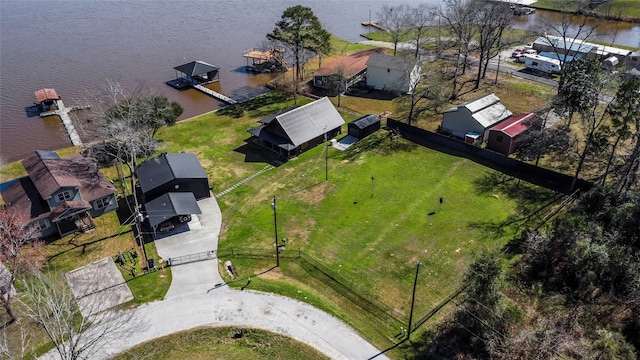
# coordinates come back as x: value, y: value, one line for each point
x: 475, y: 116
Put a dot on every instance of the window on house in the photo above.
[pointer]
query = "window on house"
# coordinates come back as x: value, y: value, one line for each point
x: 499, y: 138
x: 65, y: 195
x: 388, y: 70
x: 103, y: 202
x: 42, y: 224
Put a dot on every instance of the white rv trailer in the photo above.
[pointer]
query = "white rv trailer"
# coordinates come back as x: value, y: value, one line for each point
x: 542, y: 64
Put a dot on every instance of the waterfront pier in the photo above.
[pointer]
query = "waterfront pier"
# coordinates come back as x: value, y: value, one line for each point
x: 195, y: 75
x: 48, y: 98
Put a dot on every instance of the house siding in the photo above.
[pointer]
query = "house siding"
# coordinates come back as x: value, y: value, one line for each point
x: 95, y: 211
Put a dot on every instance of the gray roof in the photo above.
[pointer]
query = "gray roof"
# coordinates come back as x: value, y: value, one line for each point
x: 196, y: 68
x: 487, y: 110
x: 169, y: 205
x: 570, y: 44
x: 310, y: 121
x: 391, y: 62
x: 166, y: 167
x: 365, y: 121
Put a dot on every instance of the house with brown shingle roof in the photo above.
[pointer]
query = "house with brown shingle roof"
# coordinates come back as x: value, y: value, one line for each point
x: 60, y: 195
x: 342, y: 73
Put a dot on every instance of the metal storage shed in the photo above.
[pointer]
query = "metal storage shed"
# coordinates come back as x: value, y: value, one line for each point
x: 364, y: 126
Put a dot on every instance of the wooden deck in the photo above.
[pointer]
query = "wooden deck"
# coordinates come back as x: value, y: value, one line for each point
x: 63, y: 112
x: 214, y: 94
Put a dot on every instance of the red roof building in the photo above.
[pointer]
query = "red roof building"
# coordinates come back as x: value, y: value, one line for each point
x: 503, y: 137
x: 43, y: 95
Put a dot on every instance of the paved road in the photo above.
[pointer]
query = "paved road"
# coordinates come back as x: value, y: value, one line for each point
x: 193, y: 301
x: 506, y: 66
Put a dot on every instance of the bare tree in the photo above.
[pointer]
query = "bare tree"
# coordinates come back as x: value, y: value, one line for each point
x: 396, y: 20
x: 77, y: 329
x: 19, y: 251
x: 459, y: 16
x: 429, y: 91
x: 491, y: 19
x: 420, y: 19
x: 567, y: 36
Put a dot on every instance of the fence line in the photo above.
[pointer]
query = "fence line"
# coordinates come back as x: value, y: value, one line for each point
x: 201, y: 256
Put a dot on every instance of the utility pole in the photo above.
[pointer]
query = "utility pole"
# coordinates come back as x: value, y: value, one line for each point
x: 275, y: 228
x: 498, y: 70
x: 413, y: 300
x: 138, y: 216
x: 326, y: 159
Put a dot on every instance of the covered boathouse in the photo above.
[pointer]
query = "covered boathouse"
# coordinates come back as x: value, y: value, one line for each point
x: 194, y: 73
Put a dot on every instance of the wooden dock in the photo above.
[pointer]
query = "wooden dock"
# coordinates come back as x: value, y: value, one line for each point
x: 373, y: 24
x: 214, y: 94
x: 63, y: 112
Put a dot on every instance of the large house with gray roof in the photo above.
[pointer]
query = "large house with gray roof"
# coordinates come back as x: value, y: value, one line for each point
x: 290, y: 133
x: 60, y: 195
x: 474, y: 117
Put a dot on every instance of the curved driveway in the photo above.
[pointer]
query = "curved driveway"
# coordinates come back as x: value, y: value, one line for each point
x: 193, y: 301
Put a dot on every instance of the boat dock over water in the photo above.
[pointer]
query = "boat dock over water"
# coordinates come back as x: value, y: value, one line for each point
x: 373, y: 24
x: 47, y: 98
x: 195, y: 75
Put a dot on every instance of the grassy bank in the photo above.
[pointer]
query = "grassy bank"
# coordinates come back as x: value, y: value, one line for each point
x: 225, y: 343
x: 626, y: 10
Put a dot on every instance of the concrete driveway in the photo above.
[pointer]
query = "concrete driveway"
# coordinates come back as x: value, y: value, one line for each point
x: 202, y: 236
x: 193, y: 301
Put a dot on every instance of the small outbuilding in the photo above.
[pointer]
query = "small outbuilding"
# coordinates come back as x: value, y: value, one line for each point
x: 297, y: 130
x: 504, y: 137
x: 475, y: 116
x: 45, y: 98
x: 364, y: 126
x: 174, y: 172
x: 392, y: 73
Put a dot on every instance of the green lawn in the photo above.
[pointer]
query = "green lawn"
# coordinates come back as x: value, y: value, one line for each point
x: 625, y: 8
x: 222, y: 343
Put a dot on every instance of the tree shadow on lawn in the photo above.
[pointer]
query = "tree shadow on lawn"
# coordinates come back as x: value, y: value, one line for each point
x: 254, y: 105
x: 531, y: 203
x: 381, y: 142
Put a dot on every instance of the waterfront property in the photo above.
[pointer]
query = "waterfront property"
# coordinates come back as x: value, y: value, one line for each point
x: 392, y: 73
x: 290, y: 133
x: 473, y: 119
x: 341, y: 74
x: 60, y: 195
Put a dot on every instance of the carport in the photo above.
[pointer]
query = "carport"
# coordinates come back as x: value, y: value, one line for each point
x: 173, y: 206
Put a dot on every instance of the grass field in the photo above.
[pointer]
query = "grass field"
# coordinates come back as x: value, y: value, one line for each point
x: 624, y: 8
x: 223, y: 343
x: 371, y: 232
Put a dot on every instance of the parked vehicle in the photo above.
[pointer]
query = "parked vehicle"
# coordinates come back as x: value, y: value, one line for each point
x: 517, y: 51
x: 530, y: 52
x: 166, y: 226
x: 542, y: 64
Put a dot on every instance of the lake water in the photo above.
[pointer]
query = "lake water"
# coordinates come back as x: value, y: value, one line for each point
x: 75, y: 46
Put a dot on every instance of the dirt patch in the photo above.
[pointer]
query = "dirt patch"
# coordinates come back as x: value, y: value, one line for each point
x: 301, y: 232
x: 313, y: 195
x: 274, y: 274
